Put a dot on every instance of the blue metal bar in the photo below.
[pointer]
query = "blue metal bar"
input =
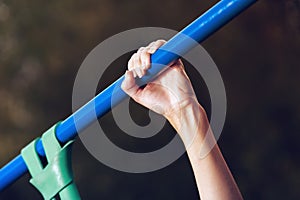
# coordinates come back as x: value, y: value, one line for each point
x: 199, y: 30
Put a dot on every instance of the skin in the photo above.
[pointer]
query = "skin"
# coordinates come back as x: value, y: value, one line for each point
x: 171, y: 94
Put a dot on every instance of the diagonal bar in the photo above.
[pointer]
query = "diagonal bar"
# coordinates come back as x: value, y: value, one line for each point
x: 198, y: 30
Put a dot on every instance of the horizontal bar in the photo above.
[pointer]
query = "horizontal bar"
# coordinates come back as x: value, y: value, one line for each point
x: 198, y: 30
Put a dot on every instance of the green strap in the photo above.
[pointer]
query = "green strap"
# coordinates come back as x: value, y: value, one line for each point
x: 56, y: 177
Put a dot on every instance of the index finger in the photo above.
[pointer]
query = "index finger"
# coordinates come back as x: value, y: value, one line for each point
x: 155, y: 45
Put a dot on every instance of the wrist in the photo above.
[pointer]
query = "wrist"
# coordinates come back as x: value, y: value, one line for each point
x: 190, y: 121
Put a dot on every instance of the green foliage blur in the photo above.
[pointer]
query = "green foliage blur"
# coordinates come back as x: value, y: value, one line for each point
x: 43, y: 43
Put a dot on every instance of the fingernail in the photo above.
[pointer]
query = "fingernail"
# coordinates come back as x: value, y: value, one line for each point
x: 151, y: 50
x: 139, y: 74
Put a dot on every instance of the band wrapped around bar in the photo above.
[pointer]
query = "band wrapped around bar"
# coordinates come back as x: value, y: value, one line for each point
x: 56, y: 177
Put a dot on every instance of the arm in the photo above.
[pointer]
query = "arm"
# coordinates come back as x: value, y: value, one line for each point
x: 171, y: 95
x: 213, y: 177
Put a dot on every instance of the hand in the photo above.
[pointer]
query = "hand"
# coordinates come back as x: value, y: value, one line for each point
x: 171, y: 94
x: 167, y: 93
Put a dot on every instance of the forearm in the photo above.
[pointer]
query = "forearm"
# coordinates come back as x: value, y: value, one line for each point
x: 213, y: 177
x: 172, y: 95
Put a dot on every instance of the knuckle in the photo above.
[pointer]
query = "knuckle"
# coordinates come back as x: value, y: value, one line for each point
x: 141, y: 49
x: 136, y: 57
x: 151, y: 44
x: 129, y: 64
x: 133, y: 56
x: 145, y: 54
x: 131, y: 61
x: 161, y: 41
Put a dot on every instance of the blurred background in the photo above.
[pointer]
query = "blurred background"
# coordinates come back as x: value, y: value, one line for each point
x: 43, y: 43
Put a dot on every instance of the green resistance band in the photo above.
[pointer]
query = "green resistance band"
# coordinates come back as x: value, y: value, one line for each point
x: 57, y: 176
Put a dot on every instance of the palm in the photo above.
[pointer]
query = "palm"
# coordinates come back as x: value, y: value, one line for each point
x: 167, y: 91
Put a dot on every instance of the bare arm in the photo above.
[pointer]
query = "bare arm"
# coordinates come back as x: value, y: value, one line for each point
x: 213, y: 177
x: 172, y: 95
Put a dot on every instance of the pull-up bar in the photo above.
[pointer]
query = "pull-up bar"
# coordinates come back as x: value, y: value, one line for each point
x: 199, y: 30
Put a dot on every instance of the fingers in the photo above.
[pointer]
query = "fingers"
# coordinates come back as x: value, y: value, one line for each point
x: 145, y: 58
x: 137, y: 64
x: 153, y: 46
x: 130, y: 65
x: 140, y: 62
x: 128, y: 85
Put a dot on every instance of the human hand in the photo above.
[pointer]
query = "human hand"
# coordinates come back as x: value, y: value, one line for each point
x: 164, y: 95
x: 170, y: 94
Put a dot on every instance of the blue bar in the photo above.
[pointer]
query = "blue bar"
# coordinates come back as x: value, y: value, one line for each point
x: 199, y: 30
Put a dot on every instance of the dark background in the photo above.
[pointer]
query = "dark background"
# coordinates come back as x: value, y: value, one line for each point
x: 42, y: 44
